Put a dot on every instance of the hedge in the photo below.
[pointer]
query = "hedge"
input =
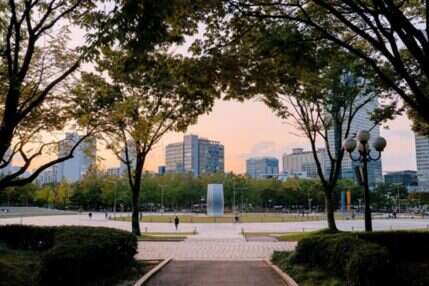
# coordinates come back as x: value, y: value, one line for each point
x: 405, y: 246
x: 357, y: 261
x: 74, y: 255
x: 28, y: 237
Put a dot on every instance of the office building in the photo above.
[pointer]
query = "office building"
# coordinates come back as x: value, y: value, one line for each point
x: 132, y: 157
x: 361, y: 121
x: 174, y: 158
x: 84, y: 156
x: 113, y: 172
x: 49, y: 176
x: 302, y: 162
x: 194, y: 155
x: 403, y: 178
x: 261, y: 168
x: 422, y: 159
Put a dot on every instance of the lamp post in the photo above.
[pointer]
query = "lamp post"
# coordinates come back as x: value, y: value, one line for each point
x: 361, y: 142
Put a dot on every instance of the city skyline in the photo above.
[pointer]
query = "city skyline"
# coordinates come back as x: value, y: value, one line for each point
x: 258, y: 132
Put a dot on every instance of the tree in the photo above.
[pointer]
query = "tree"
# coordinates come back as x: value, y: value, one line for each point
x: 390, y: 36
x: 137, y: 106
x: 315, y: 86
x: 35, y: 68
x: 38, y: 62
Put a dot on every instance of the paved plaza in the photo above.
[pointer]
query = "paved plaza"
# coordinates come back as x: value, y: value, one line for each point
x: 211, y: 250
x: 215, y: 241
x: 214, y: 273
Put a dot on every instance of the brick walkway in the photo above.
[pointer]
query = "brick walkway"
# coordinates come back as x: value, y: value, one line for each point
x: 211, y: 249
x: 216, y: 273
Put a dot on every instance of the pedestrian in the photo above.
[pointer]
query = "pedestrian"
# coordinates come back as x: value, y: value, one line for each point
x: 236, y: 219
x: 90, y: 215
x: 176, y: 222
x: 106, y: 214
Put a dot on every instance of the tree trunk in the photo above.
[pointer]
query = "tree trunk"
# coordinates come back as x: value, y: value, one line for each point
x: 135, y: 217
x: 135, y: 189
x: 330, y: 210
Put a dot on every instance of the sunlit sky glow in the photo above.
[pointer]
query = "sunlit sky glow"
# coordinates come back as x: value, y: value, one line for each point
x: 251, y: 129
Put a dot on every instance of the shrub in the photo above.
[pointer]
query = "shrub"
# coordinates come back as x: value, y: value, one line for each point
x: 404, y: 246
x: 74, y: 255
x: 85, y: 253
x: 27, y: 237
x: 369, y: 265
x: 357, y: 261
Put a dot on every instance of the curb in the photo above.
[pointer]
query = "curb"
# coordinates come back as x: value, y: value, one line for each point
x: 148, y: 275
x: 286, y: 278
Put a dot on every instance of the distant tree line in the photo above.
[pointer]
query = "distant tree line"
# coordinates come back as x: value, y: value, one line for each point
x: 176, y: 192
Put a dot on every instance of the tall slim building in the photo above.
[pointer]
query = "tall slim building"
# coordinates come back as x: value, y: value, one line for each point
x: 300, y: 161
x: 194, y: 155
x: 264, y: 167
x: 422, y: 159
x: 361, y: 121
x: 84, y: 157
x: 132, y: 157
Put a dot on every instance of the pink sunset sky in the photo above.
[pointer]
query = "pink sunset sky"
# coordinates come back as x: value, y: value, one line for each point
x: 251, y: 129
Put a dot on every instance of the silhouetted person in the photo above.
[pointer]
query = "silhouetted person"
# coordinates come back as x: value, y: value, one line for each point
x: 176, y: 222
x: 236, y: 219
x: 90, y: 215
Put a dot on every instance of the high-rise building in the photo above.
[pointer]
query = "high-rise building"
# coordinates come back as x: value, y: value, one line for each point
x: 403, y: 178
x: 132, y: 157
x: 194, y: 155
x: 174, y: 158
x: 84, y: 156
x: 113, y: 172
x: 422, y: 159
x: 300, y: 161
x: 264, y: 167
x: 361, y: 121
x: 48, y: 176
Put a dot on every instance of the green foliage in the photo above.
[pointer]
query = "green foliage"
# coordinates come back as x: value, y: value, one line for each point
x: 82, y: 255
x: 345, y: 255
x: 19, y: 268
x: 405, y: 246
x: 302, y: 275
x: 28, y: 237
x: 181, y: 191
x: 73, y: 255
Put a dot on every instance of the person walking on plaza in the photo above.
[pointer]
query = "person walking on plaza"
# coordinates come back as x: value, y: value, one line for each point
x: 176, y: 222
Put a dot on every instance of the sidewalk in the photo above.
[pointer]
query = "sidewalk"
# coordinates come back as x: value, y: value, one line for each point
x: 216, y: 273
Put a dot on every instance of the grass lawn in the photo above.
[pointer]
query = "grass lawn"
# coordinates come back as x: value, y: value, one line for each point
x: 21, y: 268
x: 164, y: 236
x: 228, y: 218
x: 283, y: 236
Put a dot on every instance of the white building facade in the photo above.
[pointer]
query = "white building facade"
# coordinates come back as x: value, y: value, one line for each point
x: 302, y: 162
x: 422, y: 159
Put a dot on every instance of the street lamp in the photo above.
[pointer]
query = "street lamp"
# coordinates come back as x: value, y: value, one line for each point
x: 364, y: 157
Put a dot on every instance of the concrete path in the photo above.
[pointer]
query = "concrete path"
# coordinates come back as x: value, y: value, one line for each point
x: 216, y: 273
